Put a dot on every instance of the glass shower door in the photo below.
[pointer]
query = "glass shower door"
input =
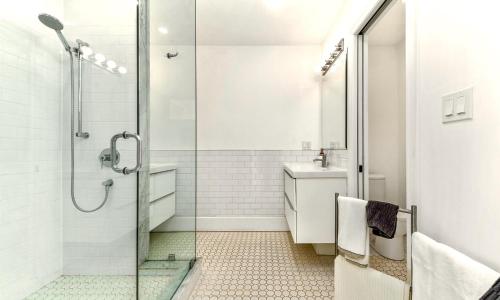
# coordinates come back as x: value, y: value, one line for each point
x: 169, y: 30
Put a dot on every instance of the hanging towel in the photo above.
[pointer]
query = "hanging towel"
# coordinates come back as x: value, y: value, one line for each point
x: 440, y: 272
x: 493, y: 293
x: 355, y: 283
x: 382, y: 218
x: 353, y: 236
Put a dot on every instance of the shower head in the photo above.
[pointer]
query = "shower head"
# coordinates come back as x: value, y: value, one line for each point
x: 53, y: 23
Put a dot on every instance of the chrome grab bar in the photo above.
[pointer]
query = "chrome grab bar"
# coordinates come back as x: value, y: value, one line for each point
x: 114, y: 161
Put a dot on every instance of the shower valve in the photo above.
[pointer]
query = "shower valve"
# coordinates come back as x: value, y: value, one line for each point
x: 105, y: 157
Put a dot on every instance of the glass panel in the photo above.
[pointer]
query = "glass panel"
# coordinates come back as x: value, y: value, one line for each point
x: 172, y: 238
x: 51, y: 249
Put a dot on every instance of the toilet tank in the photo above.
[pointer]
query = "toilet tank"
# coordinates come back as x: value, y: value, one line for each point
x: 376, y: 187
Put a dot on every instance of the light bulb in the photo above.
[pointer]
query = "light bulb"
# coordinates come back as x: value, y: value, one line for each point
x: 99, y: 58
x: 111, y: 64
x: 86, y: 51
x: 122, y: 70
x: 163, y: 30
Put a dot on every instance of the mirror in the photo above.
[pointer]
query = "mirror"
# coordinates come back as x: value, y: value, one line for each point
x: 334, y: 105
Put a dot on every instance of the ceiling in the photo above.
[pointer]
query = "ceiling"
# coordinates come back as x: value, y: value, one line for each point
x: 243, y: 22
x: 390, y: 27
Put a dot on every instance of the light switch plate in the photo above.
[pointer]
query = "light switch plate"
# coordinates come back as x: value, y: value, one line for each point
x: 457, y: 106
x: 306, y: 145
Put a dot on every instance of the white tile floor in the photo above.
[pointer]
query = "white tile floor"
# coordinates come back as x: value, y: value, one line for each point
x: 268, y: 265
x: 236, y: 265
x: 158, y: 278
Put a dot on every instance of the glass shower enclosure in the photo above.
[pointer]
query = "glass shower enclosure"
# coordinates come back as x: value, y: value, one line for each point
x: 80, y: 216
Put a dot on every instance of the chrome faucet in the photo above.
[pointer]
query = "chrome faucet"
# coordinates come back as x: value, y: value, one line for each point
x: 322, y: 158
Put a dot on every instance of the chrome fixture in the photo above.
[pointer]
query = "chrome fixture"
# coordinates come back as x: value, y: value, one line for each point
x: 323, y: 157
x: 56, y: 25
x: 110, y: 157
x: 171, y: 55
x: 105, y: 157
x: 339, y: 48
x: 79, y: 54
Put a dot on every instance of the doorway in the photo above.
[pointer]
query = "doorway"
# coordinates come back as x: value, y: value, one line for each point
x: 383, y: 117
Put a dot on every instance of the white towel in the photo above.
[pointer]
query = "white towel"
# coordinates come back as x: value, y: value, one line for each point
x: 440, y: 272
x: 353, y: 230
x: 355, y: 283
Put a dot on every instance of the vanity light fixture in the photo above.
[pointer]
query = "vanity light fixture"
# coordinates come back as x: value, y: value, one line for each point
x: 339, y: 48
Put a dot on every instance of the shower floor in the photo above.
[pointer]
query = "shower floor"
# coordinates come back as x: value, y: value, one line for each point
x: 158, y: 278
x: 104, y: 287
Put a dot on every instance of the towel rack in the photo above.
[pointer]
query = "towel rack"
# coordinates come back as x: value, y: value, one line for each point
x: 413, y: 215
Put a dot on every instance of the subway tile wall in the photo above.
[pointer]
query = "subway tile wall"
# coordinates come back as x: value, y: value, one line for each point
x: 234, y: 182
x: 30, y: 157
x: 102, y: 242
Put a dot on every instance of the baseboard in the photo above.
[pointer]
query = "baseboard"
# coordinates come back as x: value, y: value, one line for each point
x: 225, y: 223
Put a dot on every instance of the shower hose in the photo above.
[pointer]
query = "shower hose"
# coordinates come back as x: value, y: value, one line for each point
x: 108, y: 183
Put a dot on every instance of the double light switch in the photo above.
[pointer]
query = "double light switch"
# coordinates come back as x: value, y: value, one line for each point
x: 457, y: 106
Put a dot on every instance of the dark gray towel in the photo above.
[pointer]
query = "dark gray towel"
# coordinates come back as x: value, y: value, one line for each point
x: 493, y: 293
x: 382, y: 218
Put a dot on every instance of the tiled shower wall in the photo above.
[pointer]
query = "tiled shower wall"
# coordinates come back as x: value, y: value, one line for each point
x: 244, y: 183
x: 103, y: 242
x: 30, y: 152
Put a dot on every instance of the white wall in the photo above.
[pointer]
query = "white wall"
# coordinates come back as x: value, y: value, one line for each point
x: 258, y: 97
x: 458, y: 190
x: 386, y: 117
x: 30, y: 149
x: 173, y: 105
x: 452, y: 173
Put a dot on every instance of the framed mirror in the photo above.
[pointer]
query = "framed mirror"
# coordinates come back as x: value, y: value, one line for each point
x: 334, y: 105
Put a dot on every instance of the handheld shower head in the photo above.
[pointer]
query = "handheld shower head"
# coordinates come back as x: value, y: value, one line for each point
x: 53, y: 23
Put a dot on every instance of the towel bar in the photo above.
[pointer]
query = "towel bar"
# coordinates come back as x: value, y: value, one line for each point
x: 413, y: 215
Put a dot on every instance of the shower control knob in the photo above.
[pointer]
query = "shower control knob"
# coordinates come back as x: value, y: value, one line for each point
x: 105, y: 157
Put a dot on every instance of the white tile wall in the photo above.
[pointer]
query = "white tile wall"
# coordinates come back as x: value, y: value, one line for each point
x: 103, y: 242
x: 30, y: 152
x: 234, y: 182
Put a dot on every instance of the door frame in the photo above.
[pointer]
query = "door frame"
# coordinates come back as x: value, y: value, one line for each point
x: 362, y: 116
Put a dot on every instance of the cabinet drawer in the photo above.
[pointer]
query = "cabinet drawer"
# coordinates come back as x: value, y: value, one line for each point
x: 161, y: 210
x: 161, y: 184
x: 291, y: 219
x: 290, y: 190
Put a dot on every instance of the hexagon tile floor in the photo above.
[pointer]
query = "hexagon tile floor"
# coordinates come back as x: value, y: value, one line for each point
x: 268, y: 265
x: 236, y: 266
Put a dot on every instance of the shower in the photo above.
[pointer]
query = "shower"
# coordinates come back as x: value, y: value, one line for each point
x: 53, y: 23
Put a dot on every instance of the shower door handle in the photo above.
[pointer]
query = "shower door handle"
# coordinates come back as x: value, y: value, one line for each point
x: 114, y: 161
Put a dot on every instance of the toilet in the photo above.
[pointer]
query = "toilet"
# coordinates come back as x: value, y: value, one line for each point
x: 391, y: 248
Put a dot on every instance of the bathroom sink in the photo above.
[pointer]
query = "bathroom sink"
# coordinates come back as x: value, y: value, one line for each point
x: 311, y: 170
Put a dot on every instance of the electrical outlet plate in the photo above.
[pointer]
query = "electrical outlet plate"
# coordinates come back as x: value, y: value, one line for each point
x: 457, y: 106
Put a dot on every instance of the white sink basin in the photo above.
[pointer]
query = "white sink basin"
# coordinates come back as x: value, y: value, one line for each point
x: 311, y: 170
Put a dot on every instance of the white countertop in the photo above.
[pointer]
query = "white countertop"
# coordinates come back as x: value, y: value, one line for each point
x: 161, y: 167
x: 311, y: 170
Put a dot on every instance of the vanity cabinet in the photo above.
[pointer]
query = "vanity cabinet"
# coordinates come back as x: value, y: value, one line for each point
x: 310, y: 207
x: 161, y: 194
